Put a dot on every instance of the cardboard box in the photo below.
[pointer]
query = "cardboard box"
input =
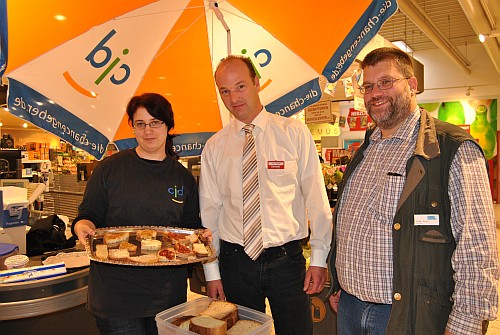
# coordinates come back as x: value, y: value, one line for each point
x: 31, y: 146
x: 14, y: 202
x: 164, y: 319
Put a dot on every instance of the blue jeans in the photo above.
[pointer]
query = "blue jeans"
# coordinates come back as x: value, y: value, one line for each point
x: 124, y: 326
x: 360, y: 317
x: 278, y: 275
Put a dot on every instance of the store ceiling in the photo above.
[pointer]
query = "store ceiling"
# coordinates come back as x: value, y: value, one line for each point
x: 447, y: 16
x: 449, y: 25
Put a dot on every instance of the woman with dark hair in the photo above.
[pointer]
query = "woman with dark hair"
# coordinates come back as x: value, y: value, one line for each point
x: 143, y: 186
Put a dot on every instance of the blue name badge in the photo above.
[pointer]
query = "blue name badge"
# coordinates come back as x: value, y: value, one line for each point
x: 426, y: 219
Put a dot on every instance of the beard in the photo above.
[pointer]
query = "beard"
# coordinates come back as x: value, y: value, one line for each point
x: 392, y: 116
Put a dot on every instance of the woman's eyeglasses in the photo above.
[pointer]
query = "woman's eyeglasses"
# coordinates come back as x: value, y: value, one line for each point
x: 142, y: 125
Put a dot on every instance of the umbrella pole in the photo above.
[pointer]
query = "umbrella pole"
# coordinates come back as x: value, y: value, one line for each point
x: 215, y: 7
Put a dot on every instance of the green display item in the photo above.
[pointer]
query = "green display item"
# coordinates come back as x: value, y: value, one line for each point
x: 482, y: 131
x: 452, y: 112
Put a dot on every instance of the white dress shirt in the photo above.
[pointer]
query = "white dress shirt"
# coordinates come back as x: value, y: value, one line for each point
x: 291, y: 193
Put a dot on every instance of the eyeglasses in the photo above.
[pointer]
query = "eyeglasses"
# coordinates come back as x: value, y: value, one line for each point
x: 142, y: 125
x: 382, y: 84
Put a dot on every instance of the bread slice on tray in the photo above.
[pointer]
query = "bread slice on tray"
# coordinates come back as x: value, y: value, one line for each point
x: 144, y: 259
x: 101, y: 251
x: 207, y: 325
x: 222, y: 310
x: 242, y: 327
x: 129, y: 246
x: 145, y: 234
x: 200, y: 250
x: 118, y: 254
x: 113, y: 240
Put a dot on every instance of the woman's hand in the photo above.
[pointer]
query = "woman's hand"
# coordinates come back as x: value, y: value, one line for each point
x: 84, y: 228
x: 207, y: 233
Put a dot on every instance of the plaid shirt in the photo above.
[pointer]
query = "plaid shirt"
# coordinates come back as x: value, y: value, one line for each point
x: 364, y: 227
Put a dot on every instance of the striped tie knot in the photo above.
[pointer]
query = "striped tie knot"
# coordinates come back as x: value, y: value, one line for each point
x: 248, y: 128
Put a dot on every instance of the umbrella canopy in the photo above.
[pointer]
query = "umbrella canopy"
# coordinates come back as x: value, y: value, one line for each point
x: 74, y: 77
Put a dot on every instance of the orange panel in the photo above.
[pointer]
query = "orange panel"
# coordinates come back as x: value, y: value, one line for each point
x: 182, y: 72
x: 33, y: 29
x: 312, y: 29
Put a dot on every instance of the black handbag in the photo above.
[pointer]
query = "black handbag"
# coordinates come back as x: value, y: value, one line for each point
x: 48, y: 234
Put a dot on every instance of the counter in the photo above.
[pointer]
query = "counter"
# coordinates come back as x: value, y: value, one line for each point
x: 47, y: 306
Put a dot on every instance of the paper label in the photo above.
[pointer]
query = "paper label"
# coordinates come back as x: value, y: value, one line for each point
x: 274, y: 165
x: 426, y: 219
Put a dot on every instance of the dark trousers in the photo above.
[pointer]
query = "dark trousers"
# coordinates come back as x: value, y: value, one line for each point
x: 278, y: 275
x: 124, y: 326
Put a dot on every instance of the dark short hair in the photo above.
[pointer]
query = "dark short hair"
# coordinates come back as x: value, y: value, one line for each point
x: 159, y: 108
x: 244, y: 59
x: 398, y: 56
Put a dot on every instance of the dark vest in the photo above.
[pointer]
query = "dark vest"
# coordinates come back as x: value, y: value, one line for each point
x: 423, y: 277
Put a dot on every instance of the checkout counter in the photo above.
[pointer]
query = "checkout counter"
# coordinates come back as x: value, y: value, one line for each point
x: 53, y: 305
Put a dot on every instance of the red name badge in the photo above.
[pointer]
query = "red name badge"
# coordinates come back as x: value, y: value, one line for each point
x: 273, y: 165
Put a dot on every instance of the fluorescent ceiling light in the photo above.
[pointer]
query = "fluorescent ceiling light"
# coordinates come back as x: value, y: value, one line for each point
x: 403, y: 46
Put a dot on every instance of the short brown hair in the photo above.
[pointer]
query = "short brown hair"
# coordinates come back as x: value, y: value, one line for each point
x: 401, y: 58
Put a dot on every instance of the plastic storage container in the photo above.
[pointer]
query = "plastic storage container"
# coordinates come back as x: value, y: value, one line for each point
x: 164, y: 319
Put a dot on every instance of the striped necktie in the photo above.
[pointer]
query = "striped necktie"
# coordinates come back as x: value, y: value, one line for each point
x: 252, y: 231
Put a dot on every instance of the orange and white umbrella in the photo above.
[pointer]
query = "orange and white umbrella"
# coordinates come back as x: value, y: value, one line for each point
x: 74, y: 77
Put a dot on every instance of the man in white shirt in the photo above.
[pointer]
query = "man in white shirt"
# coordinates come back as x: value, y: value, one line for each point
x: 291, y: 193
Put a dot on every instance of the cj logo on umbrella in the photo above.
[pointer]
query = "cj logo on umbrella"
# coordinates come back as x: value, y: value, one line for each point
x: 118, y: 78
x: 268, y: 57
x: 178, y: 194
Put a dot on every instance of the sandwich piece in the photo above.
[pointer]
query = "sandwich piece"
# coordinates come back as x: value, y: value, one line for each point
x: 113, y: 240
x: 183, y: 251
x: 200, y: 250
x: 145, y: 234
x: 207, y: 325
x: 173, y: 238
x: 129, y: 246
x: 222, y: 310
x: 183, y: 322
x: 243, y: 327
x: 101, y: 251
x: 166, y: 255
x: 150, y: 246
x: 118, y: 254
x: 144, y: 259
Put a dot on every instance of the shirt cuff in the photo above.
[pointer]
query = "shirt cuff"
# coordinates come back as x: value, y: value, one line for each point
x: 459, y: 324
x: 211, y: 270
x: 318, y: 257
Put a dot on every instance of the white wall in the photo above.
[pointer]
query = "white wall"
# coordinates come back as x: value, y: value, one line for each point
x: 443, y: 80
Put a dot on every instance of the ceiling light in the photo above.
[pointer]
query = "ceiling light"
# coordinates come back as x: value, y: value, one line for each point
x: 25, y: 125
x: 60, y: 17
x: 493, y: 33
x: 403, y: 46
